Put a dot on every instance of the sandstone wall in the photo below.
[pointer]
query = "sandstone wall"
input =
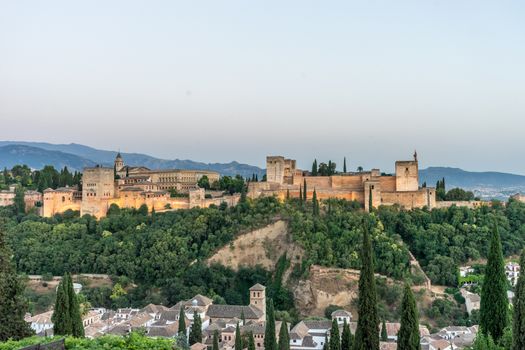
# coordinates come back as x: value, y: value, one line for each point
x: 407, y: 199
x: 468, y: 204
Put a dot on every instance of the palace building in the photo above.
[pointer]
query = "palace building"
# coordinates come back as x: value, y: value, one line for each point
x: 132, y: 187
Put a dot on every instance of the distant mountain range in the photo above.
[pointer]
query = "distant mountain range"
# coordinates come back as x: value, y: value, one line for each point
x: 486, y: 185
x: 75, y: 156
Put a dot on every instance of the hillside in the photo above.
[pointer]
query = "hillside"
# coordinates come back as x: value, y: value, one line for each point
x: 104, y: 157
x: 37, y: 158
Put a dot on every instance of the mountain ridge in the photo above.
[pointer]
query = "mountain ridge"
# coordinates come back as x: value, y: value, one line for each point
x: 104, y: 157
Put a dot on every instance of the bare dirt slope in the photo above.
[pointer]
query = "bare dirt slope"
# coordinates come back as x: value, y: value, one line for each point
x: 261, y: 247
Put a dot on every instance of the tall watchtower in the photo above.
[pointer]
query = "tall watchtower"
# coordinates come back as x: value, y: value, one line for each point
x: 119, y: 162
x: 407, y: 175
x: 258, y: 297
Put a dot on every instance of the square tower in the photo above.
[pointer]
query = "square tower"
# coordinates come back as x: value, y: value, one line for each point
x: 275, y: 169
x: 407, y: 176
x: 258, y: 297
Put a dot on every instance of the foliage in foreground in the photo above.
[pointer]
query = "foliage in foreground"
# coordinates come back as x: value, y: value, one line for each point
x: 134, y: 341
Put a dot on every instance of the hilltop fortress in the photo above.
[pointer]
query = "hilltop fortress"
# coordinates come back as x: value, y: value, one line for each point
x: 162, y: 190
x: 403, y: 188
x: 132, y: 187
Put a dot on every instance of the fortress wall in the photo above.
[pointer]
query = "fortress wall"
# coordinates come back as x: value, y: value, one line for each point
x: 317, y: 182
x: 468, y: 204
x: 387, y: 183
x: 59, y: 202
x: 352, y: 182
x: 407, y: 199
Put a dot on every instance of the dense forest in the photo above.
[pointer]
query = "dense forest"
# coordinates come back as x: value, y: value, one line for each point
x: 162, y: 255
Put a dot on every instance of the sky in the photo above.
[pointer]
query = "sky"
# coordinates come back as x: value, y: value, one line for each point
x: 225, y: 80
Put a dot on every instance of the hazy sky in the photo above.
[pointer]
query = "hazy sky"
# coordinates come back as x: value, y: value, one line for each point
x: 227, y: 80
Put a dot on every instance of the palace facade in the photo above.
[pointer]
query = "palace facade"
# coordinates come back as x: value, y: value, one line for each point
x: 132, y: 187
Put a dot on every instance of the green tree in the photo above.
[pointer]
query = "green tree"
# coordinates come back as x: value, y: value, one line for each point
x: 314, y: 168
x: 182, y: 321
x: 367, y: 333
x: 238, y: 338
x: 204, y: 182
x: 13, y: 305
x: 305, y: 192
x: 284, y: 338
x: 384, y: 334
x: 408, y: 336
x: 19, y: 201
x: 346, y: 337
x: 370, y: 201
x: 61, y: 317
x: 77, y: 327
x: 518, y: 326
x: 251, y: 342
x: 196, y: 329
x: 484, y: 342
x: 215, y: 340
x: 269, y: 333
x: 335, y: 340
x: 494, y: 302
x: 315, y: 204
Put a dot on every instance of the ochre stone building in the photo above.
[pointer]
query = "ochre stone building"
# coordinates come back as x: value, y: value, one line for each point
x: 402, y: 188
x: 132, y: 187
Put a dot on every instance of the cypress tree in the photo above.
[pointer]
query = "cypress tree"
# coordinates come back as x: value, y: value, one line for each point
x: 256, y: 178
x: 346, y: 337
x: 370, y: 206
x: 243, y: 318
x: 19, y: 200
x: 305, y: 191
x: 301, y: 194
x: 77, y: 328
x: 329, y: 167
x: 238, y: 339
x: 494, y: 302
x: 269, y: 333
x: 284, y: 338
x: 315, y: 204
x: 215, y: 340
x: 408, y: 336
x: 13, y: 305
x: 314, y: 168
x: 61, y: 315
x: 384, y: 334
x: 196, y: 329
x: 251, y: 342
x: 335, y: 340
x: 287, y: 194
x: 182, y: 321
x: 367, y: 333
x: 518, y: 326
x: 344, y: 165
x: 325, y: 346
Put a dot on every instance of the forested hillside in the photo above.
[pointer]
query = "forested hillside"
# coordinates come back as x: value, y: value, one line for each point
x: 161, y: 257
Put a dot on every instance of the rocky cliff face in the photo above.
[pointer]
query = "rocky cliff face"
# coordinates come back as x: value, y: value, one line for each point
x: 259, y: 247
x: 324, y: 287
